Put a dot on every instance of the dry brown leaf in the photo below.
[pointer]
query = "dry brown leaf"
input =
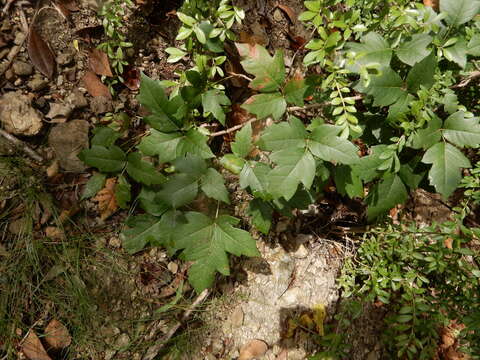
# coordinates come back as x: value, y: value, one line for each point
x: 57, y: 335
x: 98, y: 62
x: 289, y: 11
x: 283, y: 355
x: 70, y: 5
x: 33, y: 349
x: 448, y: 243
x: 432, y: 3
x: 54, y: 233
x: 253, y: 349
x: 131, y: 77
x: 40, y: 54
x: 107, y: 203
x: 94, y: 86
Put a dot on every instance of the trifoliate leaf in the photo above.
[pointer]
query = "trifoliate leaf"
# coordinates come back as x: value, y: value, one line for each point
x: 386, y: 87
x: 347, y: 182
x: 421, y: 74
x: 264, y: 105
x: 425, y: 138
x: 269, y: 71
x: 462, y: 131
x: 474, y: 45
x: 410, y: 173
x: 446, y: 160
x: 255, y: 175
x: 326, y: 146
x: 284, y: 135
x: 373, y: 50
x: 143, y: 171
x: 104, y: 136
x: 212, y: 44
x: 195, y: 143
x: 295, y: 90
x: 181, y: 189
x: 165, y: 146
x: 110, y: 159
x: 294, y: 166
x: 389, y: 192
x: 400, y: 107
x: 242, y: 145
x: 212, y: 184
x: 212, y: 102
x: 146, y: 229
x: 150, y: 202
x: 207, y: 242
x: 261, y: 213
x: 192, y: 165
x: 162, y: 109
x: 457, y: 53
x: 94, y: 185
x: 414, y: 50
x: 459, y: 11
x: 122, y: 192
x: 366, y: 167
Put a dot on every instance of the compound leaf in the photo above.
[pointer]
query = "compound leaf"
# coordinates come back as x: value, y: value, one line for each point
x: 421, y: 74
x: 373, y: 50
x: 213, y: 185
x: 389, y: 192
x: 425, y: 138
x: 93, y: 186
x: 143, y: 171
x: 261, y: 213
x: 110, y: 159
x: 462, y: 131
x: 180, y: 190
x: 285, y: 135
x: 329, y: 147
x: 264, y: 105
x: 459, y: 11
x: 386, y: 88
x: 212, y: 102
x: 242, y: 145
x: 414, y: 50
x: 255, y: 175
x: 164, y: 145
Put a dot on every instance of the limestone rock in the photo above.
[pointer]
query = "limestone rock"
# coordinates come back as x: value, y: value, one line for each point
x: 18, y: 116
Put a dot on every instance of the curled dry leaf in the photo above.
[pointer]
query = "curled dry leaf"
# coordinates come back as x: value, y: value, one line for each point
x: 131, y: 77
x: 289, y: 11
x: 57, y: 335
x: 40, y: 53
x: 94, y: 86
x: 107, y: 203
x: 432, y: 3
x: 253, y: 349
x: 98, y: 62
x: 33, y: 349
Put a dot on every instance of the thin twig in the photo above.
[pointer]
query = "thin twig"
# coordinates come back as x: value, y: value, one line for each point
x: 153, y: 351
x: 22, y: 146
x: 19, y: 47
x: 233, y: 128
x: 473, y: 75
x: 240, y: 76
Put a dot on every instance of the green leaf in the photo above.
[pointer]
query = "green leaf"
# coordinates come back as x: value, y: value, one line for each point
x: 255, y: 175
x: 162, y: 109
x: 192, y: 165
x: 459, y: 11
x: 165, y: 146
x: 145, y: 229
x: 462, y: 131
x: 242, y: 145
x: 94, y: 185
x: 373, y: 50
x: 110, y: 159
x: 232, y: 163
x: 457, y: 53
x: 264, y: 105
x: 415, y: 50
x: 181, y: 189
x: 269, y: 71
x: 184, y: 18
x: 143, y: 171
x: 295, y: 90
x: 261, y: 213
x: 213, y: 185
x: 195, y: 143
x: 422, y: 73
x: 327, y: 146
x: 425, y: 138
x: 294, y: 166
x: 347, y: 182
x: 212, y: 102
x: 122, y: 192
x: 446, y: 160
x: 104, y: 136
x: 284, y: 135
x: 207, y: 242
x: 410, y: 174
x: 150, y: 202
x: 366, y: 167
x: 474, y: 45
x: 386, y: 88
x: 383, y: 196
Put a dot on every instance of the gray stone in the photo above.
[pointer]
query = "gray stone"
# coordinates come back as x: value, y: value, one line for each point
x: 122, y: 341
x: 60, y: 110
x: 67, y: 140
x: 76, y: 99
x: 18, y: 116
x: 19, y: 38
x: 65, y: 58
x: 37, y: 83
x: 101, y: 105
x: 22, y: 68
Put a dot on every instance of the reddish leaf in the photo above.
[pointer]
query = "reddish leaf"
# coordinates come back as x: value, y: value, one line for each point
x: 33, y: 349
x: 57, y: 335
x: 131, y: 77
x: 432, y: 3
x: 94, y: 86
x: 107, y: 202
x: 98, y: 62
x: 297, y: 42
x: 40, y: 54
x: 289, y: 11
x: 70, y: 5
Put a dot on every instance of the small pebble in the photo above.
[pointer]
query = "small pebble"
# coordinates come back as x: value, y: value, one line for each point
x: 22, y: 68
x: 19, y: 38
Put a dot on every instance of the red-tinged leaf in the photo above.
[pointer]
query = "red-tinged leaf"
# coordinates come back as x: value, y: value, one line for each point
x: 289, y: 11
x: 33, y: 349
x: 98, y: 62
x: 131, y: 77
x: 296, y: 42
x: 70, y: 5
x: 94, y: 86
x: 40, y: 54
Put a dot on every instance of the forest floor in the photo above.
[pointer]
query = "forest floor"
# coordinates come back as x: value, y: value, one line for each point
x: 60, y: 261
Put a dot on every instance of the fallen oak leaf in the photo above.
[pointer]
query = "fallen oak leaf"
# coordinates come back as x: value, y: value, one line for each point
x: 289, y: 11
x: 98, y: 62
x: 94, y: 86
x: 57, y: 335
x: 40, y: 53
x: 107, y: 202
x: 33, y: 349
